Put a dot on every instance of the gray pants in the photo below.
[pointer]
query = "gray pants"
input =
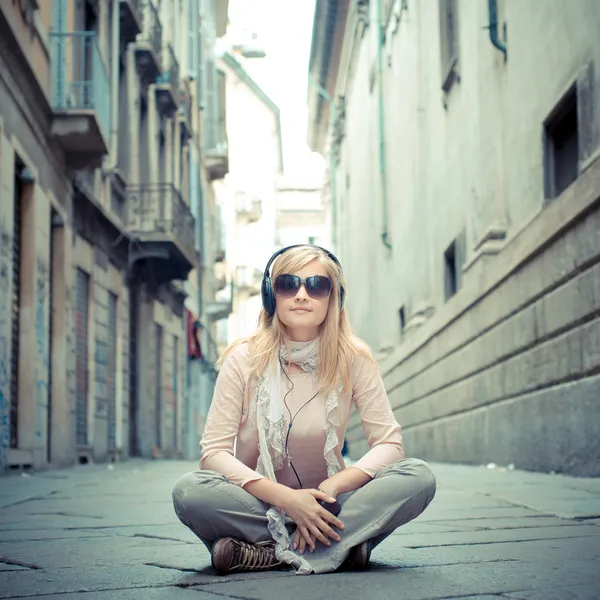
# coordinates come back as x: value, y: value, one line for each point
x: 214, y: 508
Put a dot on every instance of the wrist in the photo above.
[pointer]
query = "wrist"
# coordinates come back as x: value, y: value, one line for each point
x: 283, y: 496
x: 328, y: 486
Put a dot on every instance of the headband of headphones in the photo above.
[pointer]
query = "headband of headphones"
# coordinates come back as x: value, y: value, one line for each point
x: 282, y: 250
x: 268, y: 296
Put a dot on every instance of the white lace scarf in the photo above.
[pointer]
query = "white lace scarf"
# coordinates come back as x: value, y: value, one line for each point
x: 270, y: 423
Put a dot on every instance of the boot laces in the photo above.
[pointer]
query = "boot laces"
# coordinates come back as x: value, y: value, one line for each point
x: 254, y: 557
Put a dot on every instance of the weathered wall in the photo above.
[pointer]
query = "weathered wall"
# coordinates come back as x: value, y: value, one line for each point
x: 511, y: 375
x: 6, y: 257
x: 505, y: 370
x: 35, y: 352
x: 156, y: 416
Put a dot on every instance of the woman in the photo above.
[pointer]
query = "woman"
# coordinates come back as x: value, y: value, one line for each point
x: 273, y: 484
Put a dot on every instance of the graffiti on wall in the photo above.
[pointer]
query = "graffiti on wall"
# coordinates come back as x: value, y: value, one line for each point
x: 5, y: 326
x: 70, y: 348
x: 42, y: 362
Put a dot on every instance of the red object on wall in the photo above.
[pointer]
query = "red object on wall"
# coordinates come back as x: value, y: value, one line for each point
x: 194, y: 349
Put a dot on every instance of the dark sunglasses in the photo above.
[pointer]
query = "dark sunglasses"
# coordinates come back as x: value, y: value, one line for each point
x: 317, y: 286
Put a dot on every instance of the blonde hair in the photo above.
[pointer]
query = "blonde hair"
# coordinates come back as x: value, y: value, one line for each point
x: 338, y: 346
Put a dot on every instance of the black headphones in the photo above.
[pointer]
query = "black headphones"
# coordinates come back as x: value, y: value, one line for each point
x: 268, y: 295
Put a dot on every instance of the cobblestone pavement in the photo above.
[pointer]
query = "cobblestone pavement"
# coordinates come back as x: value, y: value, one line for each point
x: 99, y: 531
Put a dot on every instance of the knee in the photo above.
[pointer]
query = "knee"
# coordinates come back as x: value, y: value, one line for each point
x: 182, y: 486
x: 180, y: 490
x: 424, y: 475
x: 415, y: 473
x: 192, y: 492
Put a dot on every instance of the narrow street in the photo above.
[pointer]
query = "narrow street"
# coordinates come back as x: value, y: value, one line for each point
x: 102, y: 532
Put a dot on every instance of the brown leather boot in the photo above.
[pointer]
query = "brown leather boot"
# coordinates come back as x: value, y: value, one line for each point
x: 359, y: 557
x: 234, y: 556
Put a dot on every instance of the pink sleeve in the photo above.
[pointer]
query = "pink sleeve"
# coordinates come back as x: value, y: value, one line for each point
x: 223, y: 422
x: 380, y: 426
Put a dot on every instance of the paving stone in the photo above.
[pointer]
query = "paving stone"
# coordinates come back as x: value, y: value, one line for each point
x: 575, y: 592
x: 489, y: 536
x: 97, y: 533
x: 419, y: 583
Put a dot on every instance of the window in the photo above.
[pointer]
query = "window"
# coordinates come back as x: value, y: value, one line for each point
x: 402, y: 316
x: 453, y: 261
x: 562, y: 142
x: 569, y: 135
x: 448, y: 42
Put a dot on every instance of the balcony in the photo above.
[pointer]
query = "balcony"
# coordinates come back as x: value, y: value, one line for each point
x: 248, y: 208
x: 164, y: 229
x: 131, y: 18
x: 167, y: 84
x: 217, y: 161
x: 249, y: 280
x: 218, y: 309
x: 219, y: 255
x: 80, y: 98
x: 148, y: 47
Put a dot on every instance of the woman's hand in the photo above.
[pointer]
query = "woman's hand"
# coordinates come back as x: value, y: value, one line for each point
x: 301, y: 544
x: 312, y: 520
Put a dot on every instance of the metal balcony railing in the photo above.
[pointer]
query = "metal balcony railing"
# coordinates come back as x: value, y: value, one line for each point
x: 152, y: 29
x: 79, y: 78
x: 170, y: 74
x: 159, y: 207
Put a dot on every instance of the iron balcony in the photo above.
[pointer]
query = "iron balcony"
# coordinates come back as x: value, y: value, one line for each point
x: 149, y: 43
x: 163, y: 229
x: 80, y: 98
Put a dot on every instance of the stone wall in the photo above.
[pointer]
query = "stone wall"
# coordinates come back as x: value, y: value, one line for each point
x: 502, y: 366
x: 509, y: 373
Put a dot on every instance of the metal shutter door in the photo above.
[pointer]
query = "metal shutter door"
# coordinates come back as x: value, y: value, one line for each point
x: 15, y: 308
x: 81, y: 355
x: 158, y: 338
x: 111, y: 372
x: 175, y: 390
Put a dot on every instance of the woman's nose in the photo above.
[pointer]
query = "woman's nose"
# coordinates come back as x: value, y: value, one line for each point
x: 301, y: 293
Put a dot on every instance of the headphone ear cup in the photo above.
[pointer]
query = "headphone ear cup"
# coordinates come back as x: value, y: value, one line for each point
x: 342, y: 293
x: 268, y: 299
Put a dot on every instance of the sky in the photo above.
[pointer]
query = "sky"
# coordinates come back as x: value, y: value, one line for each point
x: 283, y: 29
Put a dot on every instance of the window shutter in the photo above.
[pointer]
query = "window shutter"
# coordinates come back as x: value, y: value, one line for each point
x: 201, y: 79
x: 191, y: 20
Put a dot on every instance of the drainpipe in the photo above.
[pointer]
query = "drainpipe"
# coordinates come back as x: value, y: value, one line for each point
x: 332, y: 167
x: 382, y: 173
x: 114, y: 92
x: 493, y: 27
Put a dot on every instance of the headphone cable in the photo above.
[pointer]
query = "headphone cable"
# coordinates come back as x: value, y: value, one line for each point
x: 287, y: 437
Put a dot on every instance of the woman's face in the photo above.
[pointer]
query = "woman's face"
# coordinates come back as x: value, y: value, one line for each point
x: 301, y: 313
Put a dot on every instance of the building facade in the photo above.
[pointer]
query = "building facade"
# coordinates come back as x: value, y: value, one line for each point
x: 464, y: 143
x: 302, y: 215
x: 248, y: 195
x: 106, y: 187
